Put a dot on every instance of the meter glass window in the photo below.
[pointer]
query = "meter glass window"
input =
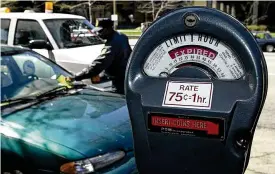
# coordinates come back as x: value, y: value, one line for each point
x: 194, y: 50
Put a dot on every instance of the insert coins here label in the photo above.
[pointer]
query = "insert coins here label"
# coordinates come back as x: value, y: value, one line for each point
x: 199, y: 126
x: 196, y: 95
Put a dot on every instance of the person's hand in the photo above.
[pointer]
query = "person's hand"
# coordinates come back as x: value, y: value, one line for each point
x: 69, y: 79
x: 95, y: 79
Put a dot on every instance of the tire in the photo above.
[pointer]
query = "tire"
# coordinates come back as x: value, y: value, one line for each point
x: 12, y: 172
x: 269, y: 48
x: 12, y: 164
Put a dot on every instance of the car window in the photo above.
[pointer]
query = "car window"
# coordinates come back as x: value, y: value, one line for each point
x: 6, y: 79
x: 267, y: 36
x: 31, y: 74
x: 5, y: 25
x: 69, y: 33
x: 27, y: 30
x: 257, y: 37
x: 30, y: 65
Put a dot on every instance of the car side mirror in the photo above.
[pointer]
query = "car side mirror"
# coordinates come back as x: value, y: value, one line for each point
x: 39, y: 44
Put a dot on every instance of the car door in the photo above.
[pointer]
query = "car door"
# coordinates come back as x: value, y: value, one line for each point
x: 27, y: 30
x: 66, y: 31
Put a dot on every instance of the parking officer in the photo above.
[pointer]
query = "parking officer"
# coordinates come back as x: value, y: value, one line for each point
x: 113, y: 58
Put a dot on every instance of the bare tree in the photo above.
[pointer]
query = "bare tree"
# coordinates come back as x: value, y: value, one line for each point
x: 250, y: 16
x: 156, y: 7
x: 88, y: 3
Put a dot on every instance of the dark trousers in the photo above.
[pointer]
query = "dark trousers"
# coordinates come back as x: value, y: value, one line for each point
x: 119, y: 85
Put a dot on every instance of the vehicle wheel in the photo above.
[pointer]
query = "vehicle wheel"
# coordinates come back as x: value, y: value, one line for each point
x: 16, y: 170
x: 12, y: 172
x: 269, y: 48
x: 12, y: 164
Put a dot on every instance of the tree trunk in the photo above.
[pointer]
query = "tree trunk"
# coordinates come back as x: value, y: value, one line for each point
x: 153, y: 9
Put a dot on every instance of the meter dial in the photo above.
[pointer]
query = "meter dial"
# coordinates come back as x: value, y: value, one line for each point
x: 194, y: 49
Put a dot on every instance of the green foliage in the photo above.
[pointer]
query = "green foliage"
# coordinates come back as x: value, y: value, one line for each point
x: 261, y: 35
x: 131, y: 32
x: 270, y: 28
x: 252, y: 27
x: 257, y: 27
x: 262, y: 27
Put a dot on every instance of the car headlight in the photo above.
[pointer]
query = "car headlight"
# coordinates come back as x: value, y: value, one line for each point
x: 92, y: 164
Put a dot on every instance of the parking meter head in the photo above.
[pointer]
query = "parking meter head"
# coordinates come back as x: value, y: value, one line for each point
x: 195, y: 86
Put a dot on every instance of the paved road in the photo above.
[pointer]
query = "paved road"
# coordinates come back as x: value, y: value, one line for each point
x: 262, y: 159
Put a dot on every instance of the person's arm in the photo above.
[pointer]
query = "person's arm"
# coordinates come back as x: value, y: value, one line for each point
x: 103, y: 61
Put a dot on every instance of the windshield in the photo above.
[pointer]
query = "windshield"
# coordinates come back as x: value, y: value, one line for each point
x: 69, y: 33
x: 268, y: 36
x: 25, y: 73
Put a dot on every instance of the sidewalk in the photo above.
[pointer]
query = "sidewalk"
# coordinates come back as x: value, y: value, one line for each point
x: 262, y: 158
x: 132, y: 42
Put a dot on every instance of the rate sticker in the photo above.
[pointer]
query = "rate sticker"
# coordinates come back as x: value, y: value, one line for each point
x: 196, y: 95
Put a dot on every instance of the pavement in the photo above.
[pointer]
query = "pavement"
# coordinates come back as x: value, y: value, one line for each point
x: 132, y: 42
x: 262, y: 158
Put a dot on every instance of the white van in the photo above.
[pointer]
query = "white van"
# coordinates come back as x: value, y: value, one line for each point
x: 69, y: 37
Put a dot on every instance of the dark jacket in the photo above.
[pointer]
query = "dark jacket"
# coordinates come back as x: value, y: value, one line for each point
x: 113, y: 59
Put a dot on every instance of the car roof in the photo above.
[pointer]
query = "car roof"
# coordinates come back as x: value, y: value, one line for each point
x: 7, y: 48
x: 37, y: 16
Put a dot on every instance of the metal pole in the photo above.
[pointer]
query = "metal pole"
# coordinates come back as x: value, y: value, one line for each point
x: 114, y: 12
x: 90, y: 12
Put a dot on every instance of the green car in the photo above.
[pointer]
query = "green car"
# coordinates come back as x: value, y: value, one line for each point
x: 50, y: 126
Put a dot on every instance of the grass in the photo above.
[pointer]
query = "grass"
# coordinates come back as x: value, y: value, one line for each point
x: 131, y: 32
x: 261, y: 35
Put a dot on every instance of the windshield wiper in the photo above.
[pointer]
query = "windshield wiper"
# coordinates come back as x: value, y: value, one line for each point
x: 52, y: 92
x: 18, y: 100
x: 61, y: 90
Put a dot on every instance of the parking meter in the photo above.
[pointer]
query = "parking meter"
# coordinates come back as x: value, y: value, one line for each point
x: 195, y: 85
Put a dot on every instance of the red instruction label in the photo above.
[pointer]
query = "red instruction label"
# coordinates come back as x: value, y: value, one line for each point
x: 187, y: 125
x: 209, y: 127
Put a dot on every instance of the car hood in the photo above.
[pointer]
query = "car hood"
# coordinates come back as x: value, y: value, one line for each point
x: 90, y: 122
x: 79, y: 55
